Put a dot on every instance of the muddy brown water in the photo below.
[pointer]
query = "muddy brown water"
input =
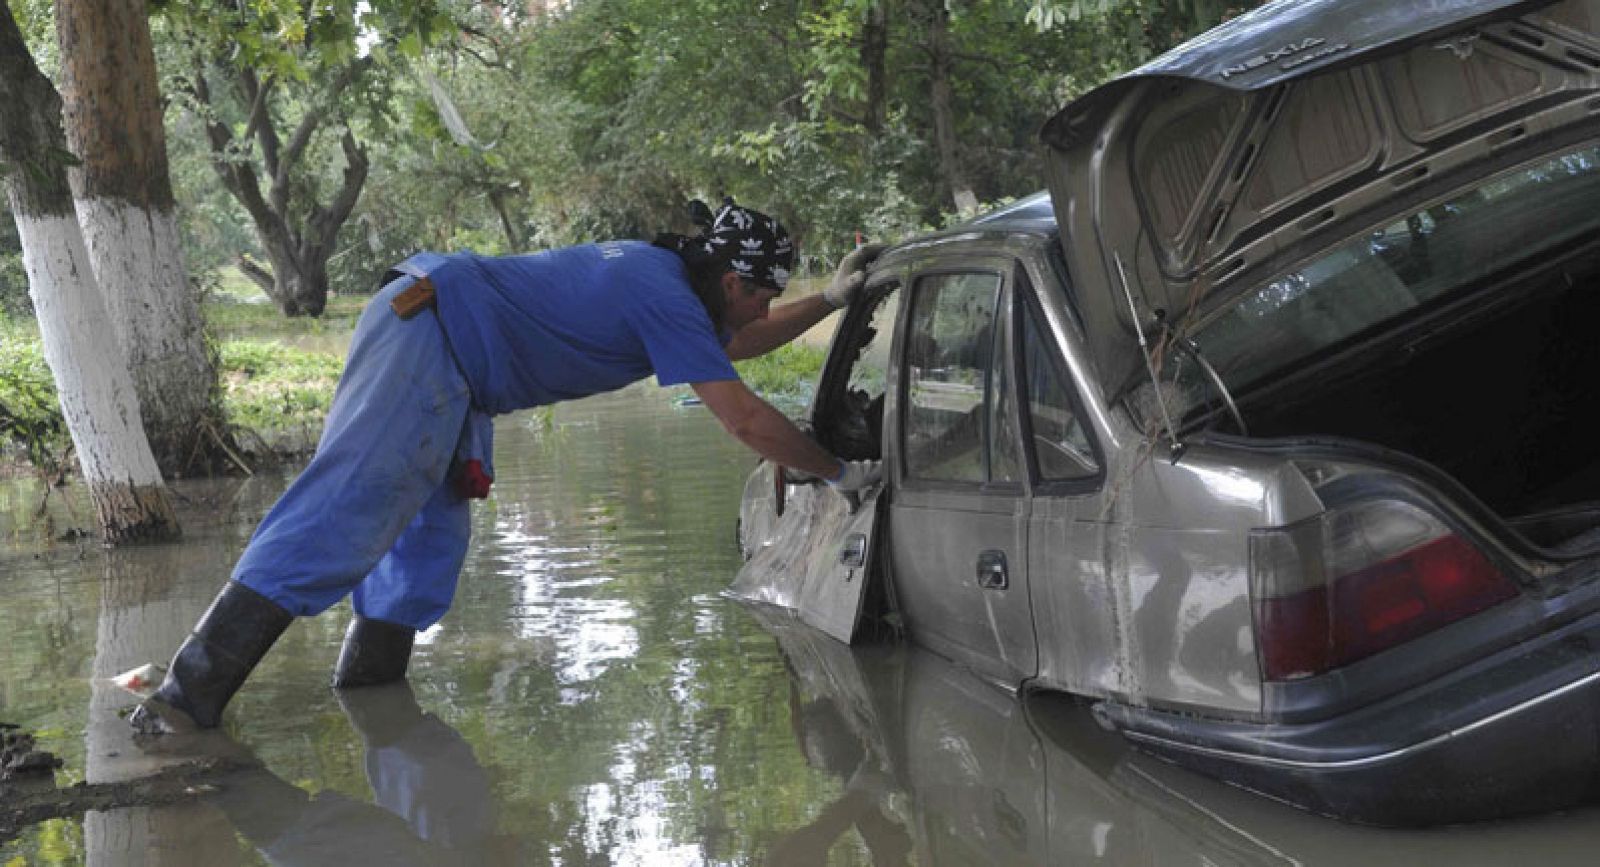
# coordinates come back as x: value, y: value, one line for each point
x: 591, y: 699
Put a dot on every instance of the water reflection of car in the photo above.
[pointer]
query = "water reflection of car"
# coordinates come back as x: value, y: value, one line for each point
x: 928, y: 754
x: 1264, y: 430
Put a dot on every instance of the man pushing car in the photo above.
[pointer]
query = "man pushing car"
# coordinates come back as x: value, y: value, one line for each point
x: 380, y: 512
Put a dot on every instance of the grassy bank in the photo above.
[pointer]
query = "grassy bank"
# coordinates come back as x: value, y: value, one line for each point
x: 276, y: 375
x: 786, y: 376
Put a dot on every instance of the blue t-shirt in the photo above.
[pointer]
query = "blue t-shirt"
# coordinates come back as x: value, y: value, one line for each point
x: 536, y: 329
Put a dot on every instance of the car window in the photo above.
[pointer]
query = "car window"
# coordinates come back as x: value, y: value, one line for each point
x: 1059, y: 442
x: 870, y: 371
x: 1378, y: 276
x: 949, y: 352
x: 1005, y: 450
x: 850, y: 420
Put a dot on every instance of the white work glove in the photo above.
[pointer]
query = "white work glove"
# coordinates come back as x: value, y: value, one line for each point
x: 856, y: 475
x: 851, y: 274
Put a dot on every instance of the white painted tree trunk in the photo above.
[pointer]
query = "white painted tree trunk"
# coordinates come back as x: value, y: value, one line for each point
x: 92, y: 380
x: 140, y: 270
x: 124, y: 203
x: 91, y: 374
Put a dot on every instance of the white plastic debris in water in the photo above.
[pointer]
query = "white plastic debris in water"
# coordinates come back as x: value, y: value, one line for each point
x: 141, y: 681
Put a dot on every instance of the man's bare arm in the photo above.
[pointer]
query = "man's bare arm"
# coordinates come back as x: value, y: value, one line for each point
x: 758, y: 425
x: 783, y: 324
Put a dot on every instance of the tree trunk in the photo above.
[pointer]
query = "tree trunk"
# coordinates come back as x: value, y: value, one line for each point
x: 298, y: 247
x: 943, y: 107
x: 298, y: 285
x: 874, y: 58
x: 497, y: 198
x: 126, y: 210
x: 92, y: 380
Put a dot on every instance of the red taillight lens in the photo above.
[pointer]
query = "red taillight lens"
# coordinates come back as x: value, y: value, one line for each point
x: 1355, y: 581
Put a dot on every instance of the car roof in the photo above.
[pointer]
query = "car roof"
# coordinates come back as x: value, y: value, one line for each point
x: 1032, y: 218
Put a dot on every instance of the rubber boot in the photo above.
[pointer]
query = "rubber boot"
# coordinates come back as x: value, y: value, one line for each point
x: 225, y: 646
x: 375, y: 652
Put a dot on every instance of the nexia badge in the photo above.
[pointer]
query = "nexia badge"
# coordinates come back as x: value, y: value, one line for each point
x: 1292, y: 55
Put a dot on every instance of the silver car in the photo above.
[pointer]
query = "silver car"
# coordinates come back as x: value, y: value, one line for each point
x: 1267, y: 430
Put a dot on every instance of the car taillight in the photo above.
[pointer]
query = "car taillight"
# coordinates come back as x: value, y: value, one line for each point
x: 1360, y: 579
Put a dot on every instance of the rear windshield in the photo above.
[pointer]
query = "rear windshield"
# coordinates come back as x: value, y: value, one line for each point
x: 1413, y: 260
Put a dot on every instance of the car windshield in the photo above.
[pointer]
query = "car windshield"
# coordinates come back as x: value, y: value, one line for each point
x: 1382, y: 275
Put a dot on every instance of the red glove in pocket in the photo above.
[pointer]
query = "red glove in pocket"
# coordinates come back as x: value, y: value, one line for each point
x: 471, y: 482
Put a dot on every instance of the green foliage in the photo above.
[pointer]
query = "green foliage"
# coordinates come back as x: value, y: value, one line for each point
x: 30, y: 414
x: 604, y: 118
x: 1190, y: 16
x: 239, y: 312
x: 786, y: 375
x: 14, y: 300
x: 299, y: 40
x: 36, y: 20
x: 326, y: 78
x: 277, y: 391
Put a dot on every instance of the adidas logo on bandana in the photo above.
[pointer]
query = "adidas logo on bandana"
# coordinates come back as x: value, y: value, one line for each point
x: 752, y: 244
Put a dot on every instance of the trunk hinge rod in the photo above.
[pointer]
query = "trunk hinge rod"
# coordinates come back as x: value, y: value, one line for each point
x: 1211, y: 373
x: 1149, y: 362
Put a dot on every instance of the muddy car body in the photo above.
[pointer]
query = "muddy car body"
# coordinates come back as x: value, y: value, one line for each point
x: 1267, y: 430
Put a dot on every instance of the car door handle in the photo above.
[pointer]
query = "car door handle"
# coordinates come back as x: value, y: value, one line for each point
x: 992, y: 571
x: 853, y: 553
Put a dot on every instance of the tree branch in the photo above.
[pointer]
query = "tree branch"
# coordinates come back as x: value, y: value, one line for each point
x: 258, y: 108
x: 237, y: 176
x: 256, y: 272
x: 990, y: 61
x: 326, y: 223
x: 310, y: 121
x: 266, y: 134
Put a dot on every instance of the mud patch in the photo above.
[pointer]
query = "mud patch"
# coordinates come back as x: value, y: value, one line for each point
x: 20, y: 758
x: 29, y: 794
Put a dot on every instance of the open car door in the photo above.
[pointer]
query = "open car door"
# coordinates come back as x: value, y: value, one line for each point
x: 808, y: 547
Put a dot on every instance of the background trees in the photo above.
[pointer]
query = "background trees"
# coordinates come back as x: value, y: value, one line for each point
x: 326, y: 121
x: 280, y: 87
x: 876, y: 116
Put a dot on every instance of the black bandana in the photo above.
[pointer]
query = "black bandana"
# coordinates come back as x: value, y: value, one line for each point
x: 752, y: 244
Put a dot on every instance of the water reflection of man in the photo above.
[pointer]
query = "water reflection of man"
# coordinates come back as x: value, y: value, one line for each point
x: 420, y: 768
x: 432, y: 797
x: 381, y: 511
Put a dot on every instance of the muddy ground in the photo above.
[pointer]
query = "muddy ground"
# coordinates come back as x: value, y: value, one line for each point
x: 29, y: 794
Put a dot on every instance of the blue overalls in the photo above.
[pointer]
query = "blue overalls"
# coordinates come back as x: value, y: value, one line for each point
x: 375, y: 512
x: 401, y: 414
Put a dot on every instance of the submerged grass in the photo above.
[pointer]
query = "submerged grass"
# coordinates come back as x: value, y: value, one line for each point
x: 234, y: 319
x: 278, y: 392
x: 786, y: 376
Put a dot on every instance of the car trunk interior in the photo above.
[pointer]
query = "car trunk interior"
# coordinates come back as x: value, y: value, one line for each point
x: 1501, y: 397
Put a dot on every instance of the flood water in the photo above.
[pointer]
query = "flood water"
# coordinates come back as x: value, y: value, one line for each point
x: 591, y: 699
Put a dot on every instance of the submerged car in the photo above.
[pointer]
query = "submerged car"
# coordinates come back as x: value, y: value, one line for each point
x: 1267, y: 430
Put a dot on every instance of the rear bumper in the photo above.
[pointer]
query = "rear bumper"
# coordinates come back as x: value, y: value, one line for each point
x: 1518, y: 732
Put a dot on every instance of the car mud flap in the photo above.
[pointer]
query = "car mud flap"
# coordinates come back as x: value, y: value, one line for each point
x: 818, y: 560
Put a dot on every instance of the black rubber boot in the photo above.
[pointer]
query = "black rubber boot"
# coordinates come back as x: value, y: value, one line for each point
x: 225, y: 646
x: 375, y: 652
x: 382, y: 715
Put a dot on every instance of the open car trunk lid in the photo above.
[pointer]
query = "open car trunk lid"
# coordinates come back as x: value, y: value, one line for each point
x: 1187, y: 183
